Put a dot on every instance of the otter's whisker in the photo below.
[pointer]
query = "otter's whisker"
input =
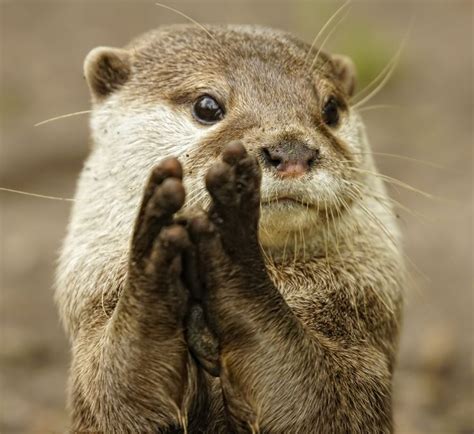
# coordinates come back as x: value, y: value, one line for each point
x: 336, y: 235
x: 68, y: 115
x: 385, y: 231
x: 394, y: 181
x: 375, y: 86
x: 385, y: 199
x: 403, y: 157
x: 378, y: 107
x: 176, y: 11
x: 375, y: 82
x: 266, y: 256
x: 352, y: 248
x: 377, y: 221
x: 394, y: 203
x: 328, y: 22
x: 296, y: 248
x: 386, y: 205
x: 284, y: 247
x: 326, y: 245
x: 326, y: 39
x: 348, y: 238
x: 41, y: 196
x: 303, y: 239
x: 378, y: 88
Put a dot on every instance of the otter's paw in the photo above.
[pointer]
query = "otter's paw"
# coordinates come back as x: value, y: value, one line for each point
x: 163, y: 196
x: 158, y: 242
x: 202, y: 341
x: 234, y: 185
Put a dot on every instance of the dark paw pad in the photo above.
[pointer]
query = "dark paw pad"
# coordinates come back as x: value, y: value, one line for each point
x: 164, y: 255
x: 163, y: 196
x: 234, y: 185
x: 166, y: 199
x: 236, y: 180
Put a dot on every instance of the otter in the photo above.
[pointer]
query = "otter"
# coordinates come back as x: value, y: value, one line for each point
x: 230, y: 264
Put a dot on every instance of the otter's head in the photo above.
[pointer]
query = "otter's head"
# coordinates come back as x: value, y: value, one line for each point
x: 180, y: 91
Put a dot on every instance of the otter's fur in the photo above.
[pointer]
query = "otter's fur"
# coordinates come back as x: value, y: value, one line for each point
x: 302, y: 317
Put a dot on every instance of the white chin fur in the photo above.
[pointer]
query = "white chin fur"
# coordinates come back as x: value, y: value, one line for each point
x: 279, y: 220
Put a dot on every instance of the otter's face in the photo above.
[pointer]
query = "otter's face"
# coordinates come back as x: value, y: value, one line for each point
x: 180, y: 92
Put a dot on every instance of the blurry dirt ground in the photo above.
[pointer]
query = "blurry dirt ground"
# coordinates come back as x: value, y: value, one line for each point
x: 43, y: 44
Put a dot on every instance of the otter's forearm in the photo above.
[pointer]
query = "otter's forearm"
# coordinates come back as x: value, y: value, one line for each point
x: 125, y: 379
x: 274, y: 370
x: 278, y: 374
x: 133, y: 373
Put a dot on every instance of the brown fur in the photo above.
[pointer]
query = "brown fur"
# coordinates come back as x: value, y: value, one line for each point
x: 200, y: 329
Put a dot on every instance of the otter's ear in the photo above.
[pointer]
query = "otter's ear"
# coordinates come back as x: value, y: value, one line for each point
x: 106, y: 70
x: 345, y: 72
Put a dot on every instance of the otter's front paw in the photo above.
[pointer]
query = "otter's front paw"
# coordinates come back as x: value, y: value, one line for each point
x: 230, y: 259
x: 158, y: 242
x: 202, y: 341
x: 162, y: 197
x: 234, y: 185
x: 229, y: 253
x: 225, y: 241
x: 238, y: 296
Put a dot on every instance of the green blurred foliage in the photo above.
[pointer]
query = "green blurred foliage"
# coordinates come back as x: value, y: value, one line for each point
x: 368, y: 47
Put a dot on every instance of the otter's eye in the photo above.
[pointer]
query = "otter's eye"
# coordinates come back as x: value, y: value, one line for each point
x: 207, y: 110
x: 331, y: 112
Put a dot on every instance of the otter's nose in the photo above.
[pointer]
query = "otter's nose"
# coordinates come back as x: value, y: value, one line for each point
x: 290, y: 159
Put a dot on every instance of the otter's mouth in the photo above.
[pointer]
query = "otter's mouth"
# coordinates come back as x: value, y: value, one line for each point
x: 285, y: 201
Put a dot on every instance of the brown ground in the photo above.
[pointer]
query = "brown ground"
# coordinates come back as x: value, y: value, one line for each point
x: 43, y: 44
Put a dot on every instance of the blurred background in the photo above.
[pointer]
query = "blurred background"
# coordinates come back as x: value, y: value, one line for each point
x: 429, y: 118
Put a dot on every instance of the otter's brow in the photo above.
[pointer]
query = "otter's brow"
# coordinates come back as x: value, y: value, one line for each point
x: 189, y: 95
